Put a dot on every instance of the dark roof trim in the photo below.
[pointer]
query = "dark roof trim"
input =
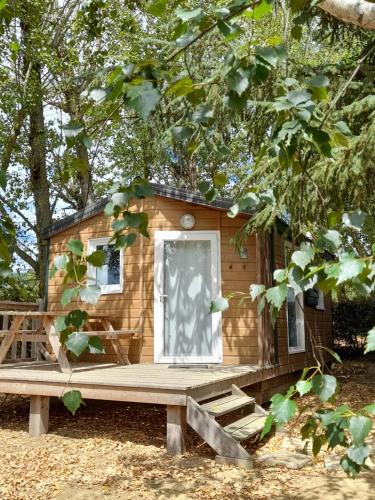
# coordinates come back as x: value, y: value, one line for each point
x: 181, y: 194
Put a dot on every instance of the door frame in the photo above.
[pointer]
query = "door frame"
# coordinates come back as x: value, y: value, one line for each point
x: 217, y: 344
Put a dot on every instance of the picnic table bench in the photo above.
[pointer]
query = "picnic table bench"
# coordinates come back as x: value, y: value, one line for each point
x: 47, y: 333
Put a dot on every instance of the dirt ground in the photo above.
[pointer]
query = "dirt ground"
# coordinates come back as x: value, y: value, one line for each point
x: 116, y: 451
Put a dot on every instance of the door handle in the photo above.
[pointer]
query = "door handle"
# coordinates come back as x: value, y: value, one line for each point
x: 162, y: 296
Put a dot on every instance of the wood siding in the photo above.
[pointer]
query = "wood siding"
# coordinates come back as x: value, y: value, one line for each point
x: 241, y: 328
x: 318, y: 326
x: 239, y: 323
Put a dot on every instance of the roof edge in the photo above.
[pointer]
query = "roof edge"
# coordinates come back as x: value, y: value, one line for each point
x: 174, y: 193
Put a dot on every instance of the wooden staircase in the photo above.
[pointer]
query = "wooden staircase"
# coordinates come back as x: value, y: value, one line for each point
x: 226, y: 440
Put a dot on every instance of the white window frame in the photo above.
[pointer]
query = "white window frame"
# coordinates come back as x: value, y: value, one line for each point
x: 320, y: 306
x: 217, y: 342
x: 300, y: 318
x: 91, y: 270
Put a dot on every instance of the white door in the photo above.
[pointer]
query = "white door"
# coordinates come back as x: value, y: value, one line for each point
x: 187, y: 279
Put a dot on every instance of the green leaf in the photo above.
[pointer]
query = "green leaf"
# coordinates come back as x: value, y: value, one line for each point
x: 329, y: 239
x: 202, y: 114
x: 220, y: 179
x: 3, y: 179
x: 157, y: 7
x: 60, y: 323
x: 238, y: 81
x: 370, y: 341
x: 96, y: 258
x: 303, y: 387
x: 267, y: 425
x: 189, y: 15
x: 234, y: 102
x: 335, y: 436
x: 256, y: 290
x: 297, y: 97
x: 280, y: 275
x: 204, y: 187
x: 318, y: 81
x: 296, y: 32
x: 68, y: 295
x: 268, y: 54
x: 182, y: 133
x: 283, y: 409
x: 120, y: 199
x: 90, y: 294
x: 370, y: 409
x: 125, y: 240
x: 76, y: 247
x: 77, y: 343
x: 80, y: 165
x: 349, y: 267
x: 360, y: 428
x: 143, y: 189
x: 60, y: 261
x: 303, y: 256
x: 212, y: 194
x: 261, y: 10
x: 99, y: 94
x: 318, y: 442
x: 354, y: 219
x: 181, y: 87
x: 73, y: 129
x: 343, y: 128
x: 95, y: 345
x: 333, y: 354
x: 72, y: 401
x: 358, y: 454
x: 219, y: 305
x: 229, y: 30
x: 324, y: 386
x: 277, y: 294
x: 297, y: 5
x: 350, y: 467
x: 77, y: 318
x: 143, y: 98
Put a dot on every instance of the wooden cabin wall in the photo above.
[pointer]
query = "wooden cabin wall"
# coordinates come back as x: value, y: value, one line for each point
x: 318, y: 326
x: 239, y: 324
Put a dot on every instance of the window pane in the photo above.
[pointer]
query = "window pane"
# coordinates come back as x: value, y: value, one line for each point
x: 109, y: 273
x: 292, y: 319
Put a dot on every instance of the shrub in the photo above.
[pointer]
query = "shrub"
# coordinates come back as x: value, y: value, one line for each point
x: 352, y: 319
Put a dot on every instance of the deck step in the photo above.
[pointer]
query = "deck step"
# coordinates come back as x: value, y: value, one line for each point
x: 247, y: 426
x: 227, y: 404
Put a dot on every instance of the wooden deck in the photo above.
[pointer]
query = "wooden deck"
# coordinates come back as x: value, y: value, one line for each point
x: 177, y: 388
x: 144, y: 383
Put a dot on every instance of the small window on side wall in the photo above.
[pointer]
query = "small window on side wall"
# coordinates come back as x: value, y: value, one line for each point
x: 320, y: 305
x: 295, y: 314
x: 110, y: 276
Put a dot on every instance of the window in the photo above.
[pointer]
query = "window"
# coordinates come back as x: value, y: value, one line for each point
x: 110, y: 276
x: 295, y: 314
x: 320, y: 304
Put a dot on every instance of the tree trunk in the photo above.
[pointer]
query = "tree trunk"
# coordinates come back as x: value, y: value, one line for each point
x: 38, y: 176
x: 358, y: 12
x: 73, y: 108
x: 37, y: 140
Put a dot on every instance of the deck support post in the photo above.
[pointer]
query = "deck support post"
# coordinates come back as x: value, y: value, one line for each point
x: 39, y: 415
x: 176, y: 429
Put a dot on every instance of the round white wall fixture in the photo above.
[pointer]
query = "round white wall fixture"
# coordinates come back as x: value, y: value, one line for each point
x: 187, y: 221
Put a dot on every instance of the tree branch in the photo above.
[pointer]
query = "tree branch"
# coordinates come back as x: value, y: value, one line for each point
x: 358, y: 12
x: 26, y: 257
x: 17, y: 211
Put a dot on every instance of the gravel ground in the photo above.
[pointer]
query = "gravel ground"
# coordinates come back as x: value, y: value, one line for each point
x: 116, y: 451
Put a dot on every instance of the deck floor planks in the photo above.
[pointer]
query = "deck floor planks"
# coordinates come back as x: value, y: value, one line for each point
x: 141, y: 376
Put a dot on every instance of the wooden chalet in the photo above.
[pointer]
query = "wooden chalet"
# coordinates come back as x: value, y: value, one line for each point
x: 161, y: 344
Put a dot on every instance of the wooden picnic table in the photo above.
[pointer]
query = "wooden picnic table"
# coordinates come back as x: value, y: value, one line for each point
x: 48, y: 333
